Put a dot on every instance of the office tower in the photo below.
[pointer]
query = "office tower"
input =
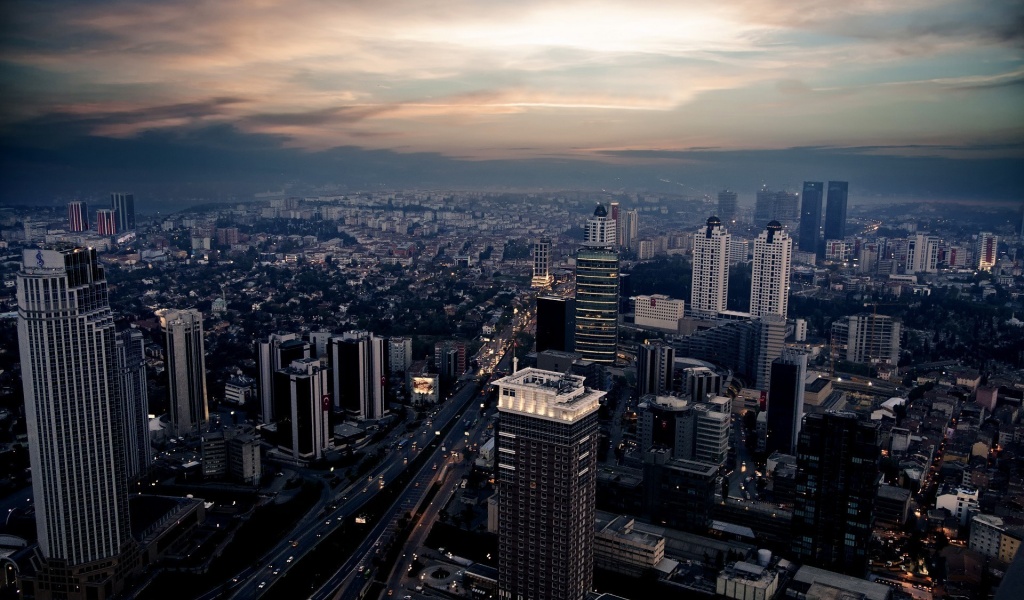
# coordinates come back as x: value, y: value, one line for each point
x: 698, y: 383
x: 75, y: 434
x: 867, y: 338
x: 186, y: 369
x: 923, y: 254
x: 78, y: 216
x: 597, y: 291
x: 273, y: 353
x: 655, y: 361
x: 358, y: 364
x: 131, y: 366
x: 810, y: 217
x: 787, y: 207
x: 658, y: 312
x: 727, y: 206
x: 303, y: 401
x: 542, y: 277
x: 988, y: 250
x: 123, y: 206
x: 769, y: 285
x: 450, y: 358
x: 786, y: 402
x: 627, y: 227
x: 709, y: 291
x: 746, y: 347
x: 679, y: 493
x: 317, y: 343
x: 837, y: 472
x: 106, y: 222
x: 690, y: 430
x: 764, y: 207
x: 399, y: 354
x: 547, y: 473
x: 835, y: 210
x: 556, y: 318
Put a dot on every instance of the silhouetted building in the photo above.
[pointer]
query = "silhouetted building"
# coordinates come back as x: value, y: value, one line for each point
x: 835, y: 210
x: 655, y: 361
x: 679, y: 493
x: 555, y: 323
x: 275, y: 352
x: 123, y: 206
x: 547, y: 473
x: 131, y: 368
x: 810, y: 217
x: 837, y: 469
x: 303, y: 405
x: 727, y: 206
x: 786, y: 402
x: 358, y: 373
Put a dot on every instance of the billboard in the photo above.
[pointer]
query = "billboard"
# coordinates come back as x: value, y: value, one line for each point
x: 423, y: 385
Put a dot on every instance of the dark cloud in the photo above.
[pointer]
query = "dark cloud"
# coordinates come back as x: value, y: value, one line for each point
x: 337, y: 115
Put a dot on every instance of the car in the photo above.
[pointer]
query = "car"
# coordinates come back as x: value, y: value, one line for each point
x: 262, y: 585
x: 290, y: 559
x: 276, y: 572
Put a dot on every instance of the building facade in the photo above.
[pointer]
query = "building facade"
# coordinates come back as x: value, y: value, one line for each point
x: 810, y: 216
x: 556, y: 317
x: 186, y: 370
x: 547, y: 474
x: 987, y: 250
x: 658, y: 312
x: 835, y: 210
x: 654, y: 368
x: 597, y: 291
x: 131, y: 370
x: 727, y: 206
x: 709, y: 289
x: 358, y: 362
x: 106, y: 222
x: 123, y: 206
x: 273, y: 353
x: 786, y: 402
x: 868, y: 338
x: 78, y: 216
x: 542, y: 277
x: 769, y: 285
x: 76, y: 436
x: 303, y: 406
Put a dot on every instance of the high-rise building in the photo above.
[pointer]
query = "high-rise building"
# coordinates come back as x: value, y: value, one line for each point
x: 748, y: 347
x: 450, y: 358
x: 547, y: 474
x: 542, y: 277
x: 556, y: 317
x: 690, y: 430
x: 810, y: 217
x: 710, y: 276
x: 358, y: 366
x: 106, y: 222
x: 769, y: 285
x: 131, y: 367
x: 764, y: 207
x: 837, y: 473
x: 303, y: 401
x: 867, y: 260
x: 78, y: 216
x: 923, y: 254
x: 124, y: 207
x: 627, y: 227
x: 988, y: 250
x: 835, y: 210
x: 727, y: 206
x: 399, y: 354
x: 787, y: 207
x: 867, y: 338
x: 679, y: 493
x: 75, y: 431
x: 655, y: 362
x: 275, y: 352
x: 597, y: 291
x: 186, y: 370
x: 786, y: 402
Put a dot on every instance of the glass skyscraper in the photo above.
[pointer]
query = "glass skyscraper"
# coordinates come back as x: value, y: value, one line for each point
x: 810, y: 217
x: 597, y: 291
x: 835, y: 210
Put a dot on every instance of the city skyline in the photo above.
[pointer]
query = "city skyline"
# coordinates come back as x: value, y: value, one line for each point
x: 907, y: 99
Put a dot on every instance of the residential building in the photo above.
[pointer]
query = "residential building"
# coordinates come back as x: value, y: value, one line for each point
x: 987, y: 251
x: 709, y: 288
x: 547, y: 472
x: 399, y: 354
x: 769, y: 286
x: 677, y: 492
x: 868, y: 338
x: 542, y: 277
x: 619, y: 548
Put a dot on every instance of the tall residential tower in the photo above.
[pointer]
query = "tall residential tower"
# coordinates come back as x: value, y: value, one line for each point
x: 769, y: 284
x: 710, y: 276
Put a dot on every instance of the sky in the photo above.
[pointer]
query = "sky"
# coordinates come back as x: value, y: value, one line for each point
x: 911, y: 97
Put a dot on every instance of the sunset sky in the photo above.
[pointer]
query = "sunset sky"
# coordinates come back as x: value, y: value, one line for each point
x: 637, y: 82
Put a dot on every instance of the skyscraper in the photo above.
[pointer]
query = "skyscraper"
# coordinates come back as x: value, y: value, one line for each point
x: 547, y: 474
x: 78, y: 216
x: 597, y: 291
x: 786, y: 402
x: 923, y: 254
x: 542, y: 263
x: 124, y: 207
x: 131, y: 366
x: 186, y: 370
x: 769, y: 285
x: 555, y: 323
x: 764, y: 207
x: 358, y: 373
x: 106, y: 222
x: 75, y: 433
x: 837, y: 473
x: 710, y: 276
x: 987, y: 252
x: 275, y: 352
x: 727, y: 206
x: 835, y: 210
x: 655, y: 362
x: 303, y: 403
x: 626, y: 227
x: 810, y: 217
